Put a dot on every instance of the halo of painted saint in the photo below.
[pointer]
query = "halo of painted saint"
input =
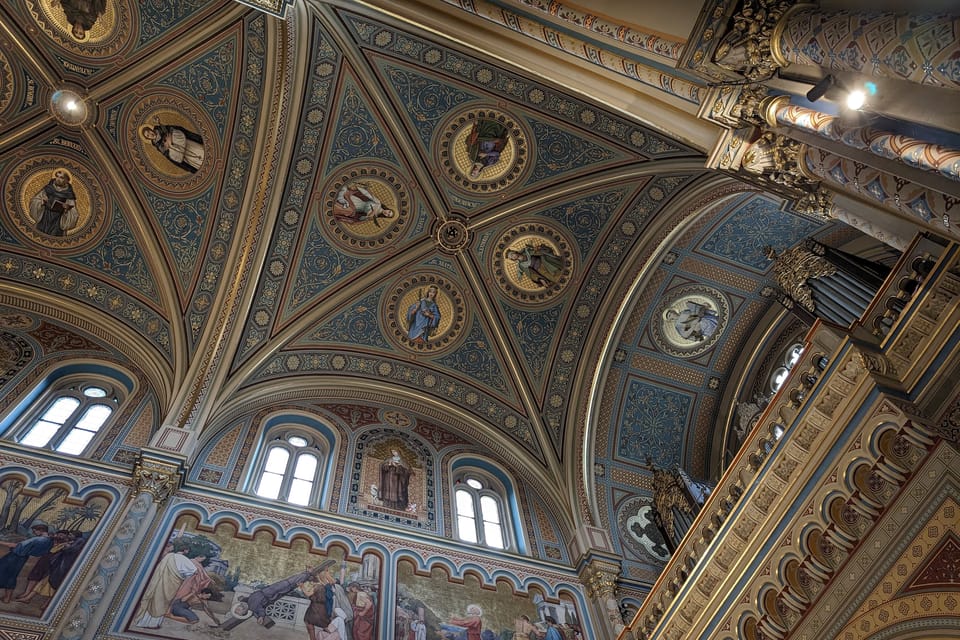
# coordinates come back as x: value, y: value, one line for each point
x: 691, y: 320
x: 483, y: 150
x: 171, y: 143
x: 425, y: 313
x: 92, y: 28
x: 365, y: 207
x: 533, y: 263
x: 55, y: 201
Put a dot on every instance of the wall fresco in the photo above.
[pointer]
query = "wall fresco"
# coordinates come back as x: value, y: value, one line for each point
x: 43, y: 533
x: 433, y: 606
x: 211, y: 582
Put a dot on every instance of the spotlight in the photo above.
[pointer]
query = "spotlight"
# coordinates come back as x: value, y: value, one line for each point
x: 856, y: 99
x: 71, y: 105
x: 820, y: 88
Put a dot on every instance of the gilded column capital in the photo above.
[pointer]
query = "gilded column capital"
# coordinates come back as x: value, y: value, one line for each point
x: 778, y: 158
x: 746, y: 48
x: 818, y: 201
x: 159, y: 478
x: 600, y: 578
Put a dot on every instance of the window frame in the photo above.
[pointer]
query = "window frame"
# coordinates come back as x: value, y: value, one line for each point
x: 280, y: 438
x: 72, y: 386
x: 491, y: 488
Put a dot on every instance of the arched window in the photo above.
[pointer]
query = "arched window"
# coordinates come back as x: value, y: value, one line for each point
x: 68, y: 416
x: 290, y: 467
x: 789, y: 358
x: 480, y: 510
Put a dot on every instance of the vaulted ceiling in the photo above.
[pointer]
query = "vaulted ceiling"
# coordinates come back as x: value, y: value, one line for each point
x: 233, y: 284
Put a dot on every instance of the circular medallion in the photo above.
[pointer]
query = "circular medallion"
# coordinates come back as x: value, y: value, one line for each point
x: 532, y: 263
x: 483, y: 150
x: 425, y: 313
x: 70, y: 108
x: 639, y: 532
x: 690, y: 320
x: 55, y: 201
x: 172, y: 142
x: 91, y: 28
x: 452, y: 235
x: 6, y: 82
x: 365, y: 207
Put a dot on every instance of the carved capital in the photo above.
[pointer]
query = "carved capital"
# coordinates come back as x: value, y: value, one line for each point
x: 817, y: 201
x: 778, y: 158
x: 600, y: 578
x: 755, y: 107
x: 159, y: 478
x: 746, y: 47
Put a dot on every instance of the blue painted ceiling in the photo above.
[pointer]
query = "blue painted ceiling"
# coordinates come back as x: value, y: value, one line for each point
x: 237, y: 279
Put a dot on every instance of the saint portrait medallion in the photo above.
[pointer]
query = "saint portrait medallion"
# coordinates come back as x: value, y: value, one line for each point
x: 55, y: 201
x: 690, y: 320
x: 365, y: 207
x: 483, y: 150
x: 425, y: 313
x: 91, y: 28
x: 172, y: 142
x: 532, y: 263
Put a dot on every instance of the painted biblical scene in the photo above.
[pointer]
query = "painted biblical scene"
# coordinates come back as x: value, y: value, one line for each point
x: 43, y: 533
x: 483, y: 150
x: 434, y: 607
x: 213, y: 583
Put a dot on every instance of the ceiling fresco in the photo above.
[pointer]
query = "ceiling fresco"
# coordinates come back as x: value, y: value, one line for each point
x: 332, y: 204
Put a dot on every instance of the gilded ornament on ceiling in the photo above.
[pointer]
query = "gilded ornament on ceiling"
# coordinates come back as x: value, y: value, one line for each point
x: 365, y: 207
x: 483, y: 150
x: 6, y: 82
x: 690, y: 320
x: 92, y: 28
x: 171, y: 142
x: 54, y: 201
x: 532, y: 263
x: 425, y: 313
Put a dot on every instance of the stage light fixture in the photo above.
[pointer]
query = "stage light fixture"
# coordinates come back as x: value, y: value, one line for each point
x: 820, y: 88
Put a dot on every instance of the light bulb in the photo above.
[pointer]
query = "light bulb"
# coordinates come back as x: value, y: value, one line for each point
x: 856, y: 99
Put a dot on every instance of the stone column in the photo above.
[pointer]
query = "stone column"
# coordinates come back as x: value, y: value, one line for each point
x: 922, y: 48
x: 154, y: 481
